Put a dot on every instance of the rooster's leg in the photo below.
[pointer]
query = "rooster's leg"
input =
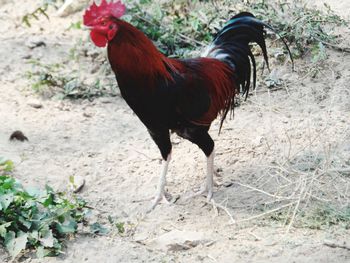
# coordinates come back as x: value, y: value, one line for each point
x: 210, y: 175
x: 160, y: 194
x: 199, y: 135
x: 161, y: 137
x: 207, y: 189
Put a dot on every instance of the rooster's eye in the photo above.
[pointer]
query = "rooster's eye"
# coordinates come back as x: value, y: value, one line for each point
x: 103, y: 23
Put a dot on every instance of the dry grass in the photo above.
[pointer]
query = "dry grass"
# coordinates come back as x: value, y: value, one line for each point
x: 300, y: 170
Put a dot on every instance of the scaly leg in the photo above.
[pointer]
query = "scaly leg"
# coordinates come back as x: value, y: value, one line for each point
x: 210, y: 175
x: 209, y: 183
x: 160, y: 194
x: 199, y: 135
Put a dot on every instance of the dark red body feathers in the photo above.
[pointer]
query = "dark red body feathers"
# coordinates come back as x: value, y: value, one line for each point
x: 215, y: 78
x: 184, y: 95
x: 194, y: 90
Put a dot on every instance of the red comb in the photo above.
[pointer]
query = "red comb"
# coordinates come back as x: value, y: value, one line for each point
x: 94, y: 12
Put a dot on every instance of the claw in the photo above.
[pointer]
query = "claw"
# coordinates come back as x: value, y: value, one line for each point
x: 204, y: 191
x: 163, y: 197
x: 210, y: 195
x: 161, y: 194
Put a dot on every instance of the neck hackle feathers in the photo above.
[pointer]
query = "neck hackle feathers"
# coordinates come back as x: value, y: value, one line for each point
x: 105, y: 9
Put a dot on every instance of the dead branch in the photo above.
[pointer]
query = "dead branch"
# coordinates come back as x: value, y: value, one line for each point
x: 333, y: 244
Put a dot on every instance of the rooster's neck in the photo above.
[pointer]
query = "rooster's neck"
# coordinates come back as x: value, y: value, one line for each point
x: 134, y: 58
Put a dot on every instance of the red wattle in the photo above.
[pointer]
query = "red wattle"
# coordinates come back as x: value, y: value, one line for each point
x: 99, y: 39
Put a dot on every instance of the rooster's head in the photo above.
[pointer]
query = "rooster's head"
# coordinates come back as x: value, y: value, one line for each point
x: 102, y: 21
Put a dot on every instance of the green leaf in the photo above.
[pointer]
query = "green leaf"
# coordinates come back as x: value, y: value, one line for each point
x: 69, y: 226
x: 34, y: 235
x: 120, y: 227
x: 110, y: 219
x: 8, y: 183
x: 9, y: 166
x: 41, y: 252
x: 97, y: 228
x: 25, y: 222
x: 5, y: 201
x: 76, y: 25
x: 35, y: 192
x: 47, y: 239
x: 16, y: 245
x: 6, y: 165
x: 71, y: 179
x: 3, y: 229
x: 49, y: 189
x: 9, y: 236
x: 49, y: 200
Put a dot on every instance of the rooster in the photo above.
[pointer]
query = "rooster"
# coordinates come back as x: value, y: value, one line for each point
x: 178, y: 95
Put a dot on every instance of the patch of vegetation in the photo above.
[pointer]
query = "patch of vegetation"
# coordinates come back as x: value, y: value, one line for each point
x: 316, y: 217
x: 177, y: 27
x: 183, y: 28
x: 33, y: 219
x: 42, y: 10
x: 119, y: 226
x: 6, y: 166
x: 327, y: 216
x: 52, y: 79
x: 301, y: 25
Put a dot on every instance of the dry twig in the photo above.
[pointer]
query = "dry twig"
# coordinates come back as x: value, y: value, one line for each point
x: 333, y: 244
x: 217, y: 205
x: 263, y: 192
x: 266, y: 213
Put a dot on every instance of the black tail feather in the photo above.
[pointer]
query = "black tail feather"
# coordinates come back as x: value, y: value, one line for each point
x: 231, y: 44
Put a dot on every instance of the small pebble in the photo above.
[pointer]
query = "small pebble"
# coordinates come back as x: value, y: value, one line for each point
x: 19, y: 136
x: 35, y: 104
x: 35, y: 44
x: 27, y: 57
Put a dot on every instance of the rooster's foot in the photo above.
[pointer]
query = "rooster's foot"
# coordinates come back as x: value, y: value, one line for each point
x: 160, y: 198
x: 204, y: 191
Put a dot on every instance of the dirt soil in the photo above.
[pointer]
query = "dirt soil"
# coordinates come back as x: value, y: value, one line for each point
x: 103, y: 142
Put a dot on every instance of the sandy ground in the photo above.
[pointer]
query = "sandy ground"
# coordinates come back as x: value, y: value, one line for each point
x: 103, y: 142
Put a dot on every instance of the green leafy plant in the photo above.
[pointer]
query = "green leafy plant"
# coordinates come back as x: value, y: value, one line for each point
x: 34, y: 219
x: 119, y: 226
x: 6, y: 166
x: 327, y: 216
x: 42, y: 10
x: 97, y: 228
x: 317, y: 217
x: 178, y: 28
